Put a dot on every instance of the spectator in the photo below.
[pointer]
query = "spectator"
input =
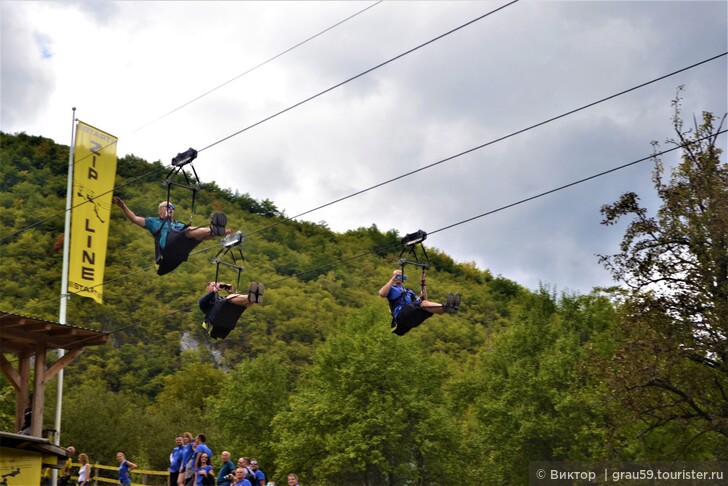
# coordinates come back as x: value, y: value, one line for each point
x: 202, y: 448
x: 84, y: 470
x: 124, y: 468
x: 259, y: 475
x: 249, y: 473
x: 240, y: 477
x: 203, y: 470
x: 27, y: 418
x: 227, y: 470
x: 186, y: 472
x: 175, y: 461
x: 64, y: 476
x: 293, y: 480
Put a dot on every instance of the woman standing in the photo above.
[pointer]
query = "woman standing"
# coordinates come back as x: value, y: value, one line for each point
x: 124, y: 468
x: 84, y: 471
x: 203, y: 468
x: 188, y: 451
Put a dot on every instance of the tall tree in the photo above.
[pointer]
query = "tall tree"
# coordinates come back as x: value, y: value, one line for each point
x: 675, y: 267
x: 369, y: 411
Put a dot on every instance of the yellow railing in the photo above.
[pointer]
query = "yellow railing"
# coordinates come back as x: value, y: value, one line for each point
x: 147, y: 477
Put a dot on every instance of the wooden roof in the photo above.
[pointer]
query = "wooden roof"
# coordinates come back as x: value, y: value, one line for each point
x: 21, y: 334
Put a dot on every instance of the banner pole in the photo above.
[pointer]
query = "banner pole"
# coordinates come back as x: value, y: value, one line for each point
x: 64, y: 285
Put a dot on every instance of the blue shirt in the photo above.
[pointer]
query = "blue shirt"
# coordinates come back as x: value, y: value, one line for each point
x: 399, y: 296
x: 175, y: 459
x: 187, y: 453
x: 124, y: 472
x: 258, y: 476
x: 203, y: 449
x: 198, y: 481
x: 153, y: 225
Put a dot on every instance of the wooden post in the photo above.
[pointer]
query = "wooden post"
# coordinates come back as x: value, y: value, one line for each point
x: 36, y: 423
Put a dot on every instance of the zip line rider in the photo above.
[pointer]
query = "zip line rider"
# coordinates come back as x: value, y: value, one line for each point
x: 173, y: 241
x: 409, y: 310
x: 222, y: 313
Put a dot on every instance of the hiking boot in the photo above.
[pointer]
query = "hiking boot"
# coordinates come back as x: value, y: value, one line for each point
x: 255, y: 293
x: 456, y: 303
x: 452, y: 304
x: 217, y: 224
x: 259, y: 294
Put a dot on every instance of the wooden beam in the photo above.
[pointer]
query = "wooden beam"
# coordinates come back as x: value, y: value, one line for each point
x: 63, y: 362
x: 9, y: 372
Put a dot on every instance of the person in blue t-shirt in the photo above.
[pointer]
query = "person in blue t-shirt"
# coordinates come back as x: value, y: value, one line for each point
x: 409, y: 309
x: 240, y: 478
x: 187, y: 471
x: 174, y: 240
x: 175, y: 461
x: 202, y: 448
x: 259, y: 475
x: 203, y: 471
x: 124, y: 468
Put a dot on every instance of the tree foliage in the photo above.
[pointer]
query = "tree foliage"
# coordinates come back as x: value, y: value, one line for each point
x: 675, y: 265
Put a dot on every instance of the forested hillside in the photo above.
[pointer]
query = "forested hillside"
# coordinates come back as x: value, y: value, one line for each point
x: 312, y: 380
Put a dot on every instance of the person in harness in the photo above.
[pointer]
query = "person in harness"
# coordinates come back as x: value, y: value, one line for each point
x: 222, y: 313
x: 409, y: 309
x: 173, y: 240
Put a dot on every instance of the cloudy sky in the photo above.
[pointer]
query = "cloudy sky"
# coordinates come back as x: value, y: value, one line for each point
x: 165, y: 76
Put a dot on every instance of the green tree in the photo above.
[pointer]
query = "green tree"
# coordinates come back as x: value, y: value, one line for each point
x: 531, y: 397
x: 250, y: 396
x: 101, y: 423
x: 674, y: 366
x: 369, y: 411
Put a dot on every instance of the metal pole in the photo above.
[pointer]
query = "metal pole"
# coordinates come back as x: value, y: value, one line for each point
x: 64, y: 285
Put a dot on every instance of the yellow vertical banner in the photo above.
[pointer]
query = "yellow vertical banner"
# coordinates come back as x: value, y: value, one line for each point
x: 94, y: 172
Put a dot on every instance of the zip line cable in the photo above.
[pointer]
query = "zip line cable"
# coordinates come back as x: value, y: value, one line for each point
x: 431, y: 165
x: 248, y: 71
x: 487, y: 213
x: 360, y: 75
x: 307, y: 99
x: 478, y: 147
x: 261, y: 64
x: 508, y: 206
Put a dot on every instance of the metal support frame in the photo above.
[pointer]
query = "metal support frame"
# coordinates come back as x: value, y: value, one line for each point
x: 411, y: 241
x: 234, y: 240
x: 178, y: 162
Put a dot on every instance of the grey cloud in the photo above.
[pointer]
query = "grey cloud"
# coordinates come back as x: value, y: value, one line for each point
x: 26, y: 81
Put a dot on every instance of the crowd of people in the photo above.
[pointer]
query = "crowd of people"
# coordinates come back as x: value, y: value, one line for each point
x: 191, y: 463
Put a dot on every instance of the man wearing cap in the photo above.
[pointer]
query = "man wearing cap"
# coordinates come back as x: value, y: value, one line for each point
x: 174, y: 240
x: 409, y: 310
